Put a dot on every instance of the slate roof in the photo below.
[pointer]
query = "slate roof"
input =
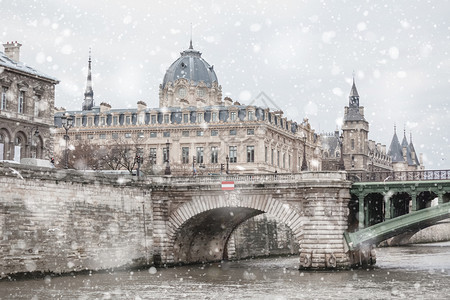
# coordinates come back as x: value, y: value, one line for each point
x: 192, y: 67
x: 5, y: 61
x: 395, y: 150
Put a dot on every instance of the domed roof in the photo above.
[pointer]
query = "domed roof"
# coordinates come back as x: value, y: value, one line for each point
x: 192, y: 67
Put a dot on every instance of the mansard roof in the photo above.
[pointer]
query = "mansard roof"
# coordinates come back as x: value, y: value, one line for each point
x: 6, y: 62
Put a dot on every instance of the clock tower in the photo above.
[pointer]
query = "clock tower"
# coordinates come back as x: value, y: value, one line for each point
x: 355, y: 130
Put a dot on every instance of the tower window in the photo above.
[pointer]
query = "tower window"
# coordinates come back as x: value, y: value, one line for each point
x: 353, y: 144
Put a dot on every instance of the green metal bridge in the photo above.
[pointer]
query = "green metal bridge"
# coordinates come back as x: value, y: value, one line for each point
x: 388, y: 204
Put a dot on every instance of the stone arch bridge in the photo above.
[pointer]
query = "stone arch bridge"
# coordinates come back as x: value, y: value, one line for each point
x: 66, y: 220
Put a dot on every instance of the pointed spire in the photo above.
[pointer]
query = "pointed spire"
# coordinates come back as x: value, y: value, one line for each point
x: 190, y: 45
x: 88, y: 102
x: 354, y: 92
x: 410, y: 137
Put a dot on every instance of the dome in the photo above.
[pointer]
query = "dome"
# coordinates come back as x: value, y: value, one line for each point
x: 192, y: 67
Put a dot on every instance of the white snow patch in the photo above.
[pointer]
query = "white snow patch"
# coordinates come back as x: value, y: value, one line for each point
x: 337, y: 91
x: 361, y: 26
x: 255, y: 27
x: 245, y: 95
x: 394, y: 52
x: 327, y: 36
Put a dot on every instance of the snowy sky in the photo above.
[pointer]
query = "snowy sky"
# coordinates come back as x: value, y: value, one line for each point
x: 300, y: 53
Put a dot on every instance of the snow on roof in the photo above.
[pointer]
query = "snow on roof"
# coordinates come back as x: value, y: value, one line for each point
x: 5, y: 61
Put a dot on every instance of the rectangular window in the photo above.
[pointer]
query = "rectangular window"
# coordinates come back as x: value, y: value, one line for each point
x: 153, y: 119
x: 90, y: 121
x: 21, y: 102
x: 250, y: 153
x: 233, y: 116
x: 250, y: 131
x: 214, y: 133
x: 289, y: 165
x: 3, y: 100
x: 164, y: 154
x: 265, y: 154
x: 185, y: 118
x: 140, y: 135
x: 271, y: 158
x: 115, y: 120
x: 251, y: 115
x: 214, y: 155
x: 185, y: 133
x: 166, y: 119
x: 278, y: 158
x: 200, y: 133
x: 166, y: 134
x: 284, y: 160
x: 78, y: 136
x: 185, y: 155
x: 102, y: 121
x: 153, y: 155
x: 153, y: 134
x: 353, y: 144
x: 128, y: 120
x: 200, y: 155
x: 77, y: 122
x: 115, y: 135
x: 90, y: 136
x: 200, y: 117
x: 232, y: 131
x: 127, y: 135
x: 37, y: 105
x: 233, y: 154
x: 102, y: 136
x: 214, y: 117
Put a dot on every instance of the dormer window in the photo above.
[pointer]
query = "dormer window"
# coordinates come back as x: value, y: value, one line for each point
x: 200, y: 117
x: 200, y: 92
x: 251, y: 115
x: 182, y: 92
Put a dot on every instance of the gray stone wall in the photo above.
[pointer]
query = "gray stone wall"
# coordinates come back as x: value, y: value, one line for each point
x: 261, y: 236
x: 65, y: 221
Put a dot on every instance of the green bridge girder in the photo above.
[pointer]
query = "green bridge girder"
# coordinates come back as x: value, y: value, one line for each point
x: 413, y: 221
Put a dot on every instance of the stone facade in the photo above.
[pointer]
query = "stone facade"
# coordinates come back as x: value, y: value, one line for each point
x: 192, y: 123
x: 26, y: 108
x: 64, y: 220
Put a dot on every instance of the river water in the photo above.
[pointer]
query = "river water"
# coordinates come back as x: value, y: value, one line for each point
x: 414, y: 272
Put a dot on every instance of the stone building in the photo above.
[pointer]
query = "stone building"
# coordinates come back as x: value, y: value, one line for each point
x: 27, y: 99
x: 360, y: 153
x: 201, y: 132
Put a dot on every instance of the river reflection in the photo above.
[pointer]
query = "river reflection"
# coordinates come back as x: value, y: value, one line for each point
x: 419, y: 272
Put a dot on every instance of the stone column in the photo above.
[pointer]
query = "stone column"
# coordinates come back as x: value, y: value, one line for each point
x: 361, y: 213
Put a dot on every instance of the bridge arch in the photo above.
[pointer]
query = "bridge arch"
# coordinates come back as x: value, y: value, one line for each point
x: 199, y: 230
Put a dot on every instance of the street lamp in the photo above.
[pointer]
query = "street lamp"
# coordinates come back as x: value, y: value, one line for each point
x: 227, y: 159
x: 137, y: 159
x: 167, y: 171
x: 67, y: 123
x: 304, y: 166
x: 341, y: 165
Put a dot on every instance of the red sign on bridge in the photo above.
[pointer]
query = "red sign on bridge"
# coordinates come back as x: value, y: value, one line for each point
x: 227, y: 185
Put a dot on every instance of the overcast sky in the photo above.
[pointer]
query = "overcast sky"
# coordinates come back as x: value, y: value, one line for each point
x: 300, y: 53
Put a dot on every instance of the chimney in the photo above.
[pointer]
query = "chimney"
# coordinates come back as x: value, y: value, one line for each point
x: 12, y: 50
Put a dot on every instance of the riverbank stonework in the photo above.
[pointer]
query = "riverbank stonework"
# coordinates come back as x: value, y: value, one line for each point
x: 65, y: 220
x: 52, y: 221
